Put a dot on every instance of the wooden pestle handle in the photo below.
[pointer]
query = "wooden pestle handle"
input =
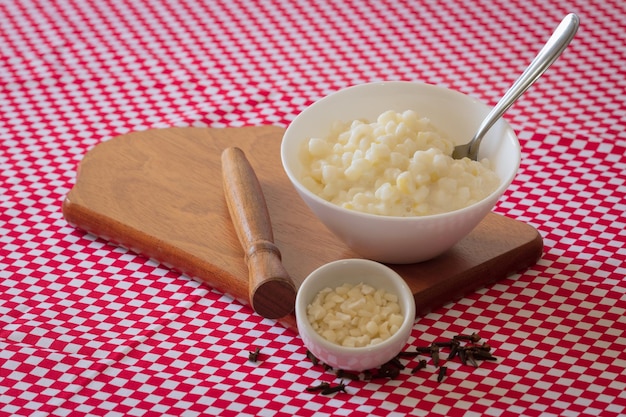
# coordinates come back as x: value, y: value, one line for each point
x: 272, y: 292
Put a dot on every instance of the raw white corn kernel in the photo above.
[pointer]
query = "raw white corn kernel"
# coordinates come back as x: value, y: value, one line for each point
x: 349, y: 342
x: 355, y: 315
x: 396, y: 320
x: 391, y: 297
x: 355, y: 332
x: 376, y: 340
x: 372, y: 328
x: 329, y: 335
x: 317, y: 312
x: 355, y: 305
x: 335, y: 324
x: 383, y: 330
x: 367, y: 289
x: 340, y: 315
x: 342, y: 290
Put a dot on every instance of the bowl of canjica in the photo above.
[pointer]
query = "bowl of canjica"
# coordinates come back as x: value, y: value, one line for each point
x: 374, y: 164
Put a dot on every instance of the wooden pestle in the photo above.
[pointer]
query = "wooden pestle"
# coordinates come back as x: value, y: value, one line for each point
x: 272, y: 292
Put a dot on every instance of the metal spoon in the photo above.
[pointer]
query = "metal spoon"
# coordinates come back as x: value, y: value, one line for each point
x: 557, y: 43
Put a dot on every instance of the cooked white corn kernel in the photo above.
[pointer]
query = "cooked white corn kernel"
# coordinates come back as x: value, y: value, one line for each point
x: 355, y: 315
x: 398, y: 165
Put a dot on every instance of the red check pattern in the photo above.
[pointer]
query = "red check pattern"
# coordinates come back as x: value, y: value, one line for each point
x: 87, y: 328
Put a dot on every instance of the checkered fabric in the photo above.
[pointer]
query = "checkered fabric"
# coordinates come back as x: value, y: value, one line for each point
x: 87, y: 328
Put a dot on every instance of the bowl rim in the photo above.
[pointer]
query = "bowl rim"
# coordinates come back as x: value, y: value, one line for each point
x: 408, y: 313
x: 496, y: 194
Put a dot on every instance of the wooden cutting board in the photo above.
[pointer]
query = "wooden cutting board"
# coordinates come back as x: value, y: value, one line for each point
x: 159, y: 193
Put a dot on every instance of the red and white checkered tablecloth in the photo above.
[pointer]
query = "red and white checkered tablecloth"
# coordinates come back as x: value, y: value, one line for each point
x: 87, y: 328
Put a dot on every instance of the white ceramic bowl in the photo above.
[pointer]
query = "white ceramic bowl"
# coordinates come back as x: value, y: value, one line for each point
x: 354, y: 271
x: 390, y: 239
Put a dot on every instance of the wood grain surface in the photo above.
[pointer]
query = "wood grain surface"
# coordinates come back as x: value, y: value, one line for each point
x: 160, y: 194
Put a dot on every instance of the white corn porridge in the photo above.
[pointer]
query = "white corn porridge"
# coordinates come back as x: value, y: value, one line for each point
x: 399, y: 165
x: 355, y: 315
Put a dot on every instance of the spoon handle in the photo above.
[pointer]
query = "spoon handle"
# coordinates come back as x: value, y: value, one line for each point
x: 555, y: 46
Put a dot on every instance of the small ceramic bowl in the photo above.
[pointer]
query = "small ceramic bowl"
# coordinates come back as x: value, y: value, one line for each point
x: 391, y: 239
x: 354, y: 271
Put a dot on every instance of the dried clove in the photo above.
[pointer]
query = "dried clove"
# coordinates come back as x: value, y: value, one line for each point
x: 445, y: 343
x: 463, y: 355
x: 333, y: 389
x: 474, y: 337
x: 340, y: 373
x: 253, y: 356
x: 454, y: 349
x: 386, y: 371
x: 469, y: 356
x: 396, y: 362
x: 481, y: 354
x: 312, y: 357
x: 423, y: 349
x: 486, y: 347
x: 320, y: 387
x: 434, y: 353
x: 420, y: 365
x: 442, y: 373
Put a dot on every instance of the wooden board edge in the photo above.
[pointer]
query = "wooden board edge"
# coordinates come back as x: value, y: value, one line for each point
x: 443, y: 293
x: 141, y: 244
